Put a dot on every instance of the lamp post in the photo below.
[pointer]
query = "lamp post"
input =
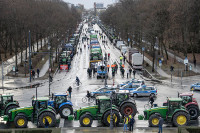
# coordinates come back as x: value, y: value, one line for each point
x: 49, y: 47
x: 111, y: 113
x: 105, y: 59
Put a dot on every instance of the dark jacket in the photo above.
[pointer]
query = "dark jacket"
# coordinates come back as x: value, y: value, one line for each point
x: 161, y: 121
x: 70, y: 89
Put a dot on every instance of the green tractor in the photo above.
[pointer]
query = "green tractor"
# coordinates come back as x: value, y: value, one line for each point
x: 38, y: 112
x: 101, y: 112
x: 173, y: 113
x: 7, y: 103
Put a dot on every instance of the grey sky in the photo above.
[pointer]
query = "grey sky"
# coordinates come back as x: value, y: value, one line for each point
x: 90, y: 3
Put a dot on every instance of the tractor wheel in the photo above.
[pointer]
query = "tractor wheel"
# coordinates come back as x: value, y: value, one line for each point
x: 153, y: 120
x: 20, y: 121
x: 49, y: 116
x: 193, y: 111
x: 86, y: 120
x: 10, y: 107
x: 181, y: 119
x: 106, y: 118
x: 65, y: 111
x: 128, y: 108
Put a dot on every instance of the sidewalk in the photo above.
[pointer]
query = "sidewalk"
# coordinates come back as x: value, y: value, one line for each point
x: 115, y: 130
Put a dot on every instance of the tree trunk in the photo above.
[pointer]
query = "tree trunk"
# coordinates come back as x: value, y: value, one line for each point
x: 26, y: 41
x: 37, y: 41
x: 10, y: 38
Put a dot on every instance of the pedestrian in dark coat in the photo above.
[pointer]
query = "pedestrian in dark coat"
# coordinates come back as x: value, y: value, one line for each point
x: 70, y: 91
x: 132, y: 121
x: 33, y: 74
x: 38, y: 72
x: 160, y: 124
x: 46, y: 124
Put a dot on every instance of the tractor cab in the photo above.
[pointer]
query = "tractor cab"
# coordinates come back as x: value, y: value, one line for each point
x: 173, y: 104
x: 40, y: 103
x: 59, y: 99
x: 5, y: 99
x: 103, y: 103
x: 120, y: 96
x: 187, y: 98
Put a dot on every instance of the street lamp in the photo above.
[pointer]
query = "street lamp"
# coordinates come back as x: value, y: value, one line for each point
x: 111, y: 113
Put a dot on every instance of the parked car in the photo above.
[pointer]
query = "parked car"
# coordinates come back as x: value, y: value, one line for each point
x: 144, y: 91
x: 195, y: 86
x: 135, y: 81
x: 129, y: 87
x: 103, y: 91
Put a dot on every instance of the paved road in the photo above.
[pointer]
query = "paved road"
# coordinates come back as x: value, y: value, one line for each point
x: 80, y: 64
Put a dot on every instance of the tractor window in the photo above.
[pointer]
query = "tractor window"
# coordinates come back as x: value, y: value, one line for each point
x: 7, y: 100
x: 42, y: 104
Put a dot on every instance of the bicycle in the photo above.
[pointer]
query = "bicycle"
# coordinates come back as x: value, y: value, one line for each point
x: 148, y: 106
x: 88, y: 99
x: 75, y: 84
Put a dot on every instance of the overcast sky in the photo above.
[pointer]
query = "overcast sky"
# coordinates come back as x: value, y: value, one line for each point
x: 90, y: 3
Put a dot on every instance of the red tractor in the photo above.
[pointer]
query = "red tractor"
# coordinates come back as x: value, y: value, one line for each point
x: 190, y: 104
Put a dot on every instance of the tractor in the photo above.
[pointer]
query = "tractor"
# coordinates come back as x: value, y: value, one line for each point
x: 7, y: 103
x: 101, y: 112
x: 38, y: 112
x: 173, y: 113
x: 124, y: 102
x: 62, y: 106
x: 190, y: 104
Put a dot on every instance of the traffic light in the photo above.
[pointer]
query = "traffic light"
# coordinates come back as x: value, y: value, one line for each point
x: 171, y: 68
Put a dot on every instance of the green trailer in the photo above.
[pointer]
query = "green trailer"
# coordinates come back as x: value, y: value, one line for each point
x: 38, y: 112
x: 173, y: 113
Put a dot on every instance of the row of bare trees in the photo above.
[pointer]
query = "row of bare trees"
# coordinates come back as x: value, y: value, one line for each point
x: 170, y: 24
x: 42, y: 17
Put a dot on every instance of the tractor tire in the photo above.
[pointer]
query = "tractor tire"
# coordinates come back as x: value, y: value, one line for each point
x: 128, y: 108
x: 106, y: 118
x: 86, y: 120
x: 49, y: 116
x: 10, y: 107
x: 193, y: 111
x: 181, y: 119
x: 65, y: 111
x: 20, y: 121
x: 154, y: 120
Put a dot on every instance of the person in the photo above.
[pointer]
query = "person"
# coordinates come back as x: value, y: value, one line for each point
x: 195, y: 61
x: 81, y: 50
x: 46, y: 123
x: 33, y: 74
x: 151, y: 100
x: 108, y: 56
x: 124, y: 58
x: 116, y: 68
x: 130, y: 71
x: 113, y: 72
x: 70, y: 91
x: 127, y: 71
x: 38, y: 72
x: 108, y: 66
x: 77, y: 80
x: 143, y: 85
x: 132, y: 121
x: 121, y: 58
x: 125, y: 122
x: 88, y: 95
x: 129, y: 121
x: 160, y: 124
x: 134, y: 72
x: 123, y: 72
